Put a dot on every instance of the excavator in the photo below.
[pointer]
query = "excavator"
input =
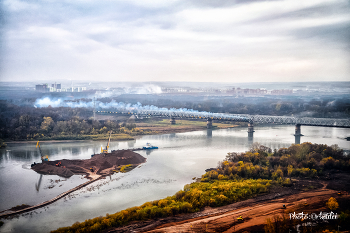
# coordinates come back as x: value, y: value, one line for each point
x: 43, y: 158
x: 107, y: 147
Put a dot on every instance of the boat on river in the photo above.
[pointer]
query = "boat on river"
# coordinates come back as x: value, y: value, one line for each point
x: 149, y: 147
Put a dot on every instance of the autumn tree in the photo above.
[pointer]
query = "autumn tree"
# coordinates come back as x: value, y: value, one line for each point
x: 47, y: 124
x: 332, y: 204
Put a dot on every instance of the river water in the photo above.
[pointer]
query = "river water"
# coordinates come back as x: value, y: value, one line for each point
x: 180, y: 157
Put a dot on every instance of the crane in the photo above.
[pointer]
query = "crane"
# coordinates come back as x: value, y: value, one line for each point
x: 43, y: 158
x: 109, y: 140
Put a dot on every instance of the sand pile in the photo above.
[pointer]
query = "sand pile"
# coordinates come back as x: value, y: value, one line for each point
x: 102, y: 164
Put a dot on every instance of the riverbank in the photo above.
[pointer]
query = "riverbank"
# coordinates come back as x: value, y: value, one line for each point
x: 308, y: 196
x: 148, y: 127
x: 255, y: 214
x: 164, y: 127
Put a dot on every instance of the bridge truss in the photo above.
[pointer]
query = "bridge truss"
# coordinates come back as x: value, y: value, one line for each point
x: 265, y: 119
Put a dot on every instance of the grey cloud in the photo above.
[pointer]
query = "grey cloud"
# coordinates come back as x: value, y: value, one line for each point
x: 222, y: 3
x: 321, y: 10
x: 336, y: 33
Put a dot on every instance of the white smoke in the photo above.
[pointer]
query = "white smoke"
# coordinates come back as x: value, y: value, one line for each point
x: 135, y: 108
x: 45, y: 102
x: 149, y: 89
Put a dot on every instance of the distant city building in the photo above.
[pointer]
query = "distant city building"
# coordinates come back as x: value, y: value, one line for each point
x: 56, y: 87
x: 42, y: 87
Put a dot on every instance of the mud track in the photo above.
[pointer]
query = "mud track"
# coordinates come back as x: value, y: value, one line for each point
x: 255, y: 211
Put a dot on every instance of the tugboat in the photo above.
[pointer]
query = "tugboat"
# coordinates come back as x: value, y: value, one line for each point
x: 149, y: 147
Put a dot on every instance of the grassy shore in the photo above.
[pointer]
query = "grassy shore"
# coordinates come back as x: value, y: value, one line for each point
x: 181, y: 123
x: 146, y: 127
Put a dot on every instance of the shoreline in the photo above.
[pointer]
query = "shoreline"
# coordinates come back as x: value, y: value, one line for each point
x: 165, y: 130
x: 223, y: 218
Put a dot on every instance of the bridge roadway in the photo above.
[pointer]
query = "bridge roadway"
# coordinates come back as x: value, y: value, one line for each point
x: 265, y: 119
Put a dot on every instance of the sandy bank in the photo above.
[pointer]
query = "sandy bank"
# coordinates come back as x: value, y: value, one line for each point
x: 101, y: 164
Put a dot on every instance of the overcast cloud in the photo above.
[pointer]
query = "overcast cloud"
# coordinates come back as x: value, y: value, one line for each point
x: 175, y: 40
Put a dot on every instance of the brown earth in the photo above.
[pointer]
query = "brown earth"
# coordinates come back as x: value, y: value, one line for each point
x: 102, y: 164
x: 165, y: 129
x: 308, y: 196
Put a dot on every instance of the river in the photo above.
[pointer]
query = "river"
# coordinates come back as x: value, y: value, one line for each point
x: 180, y: 157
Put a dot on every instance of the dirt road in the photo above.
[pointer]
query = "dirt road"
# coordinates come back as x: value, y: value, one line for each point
x: 254, y: 215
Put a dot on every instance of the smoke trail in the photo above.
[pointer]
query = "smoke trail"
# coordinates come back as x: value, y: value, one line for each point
x: 46, y: 102
x: 133, y: 108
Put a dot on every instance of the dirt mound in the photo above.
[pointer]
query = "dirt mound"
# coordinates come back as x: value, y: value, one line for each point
x: 101, y: 164
x: 44, y: 168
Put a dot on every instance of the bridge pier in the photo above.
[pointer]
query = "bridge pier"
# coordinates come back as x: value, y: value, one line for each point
x: 297, y: 134
x: 172, y: 121
x: 209, y: 123
x: 298, y: 130
x: 250, y: 129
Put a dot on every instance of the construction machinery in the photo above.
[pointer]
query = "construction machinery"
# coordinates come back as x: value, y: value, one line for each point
x: 43, y: 158
x: 107, y: 147
x: 240, y: 219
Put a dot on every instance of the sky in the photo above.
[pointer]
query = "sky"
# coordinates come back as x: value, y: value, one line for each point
x: 175, y: 40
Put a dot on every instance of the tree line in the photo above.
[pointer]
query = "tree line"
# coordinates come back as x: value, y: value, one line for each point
x: 301, y: 160
x: 25, y: 123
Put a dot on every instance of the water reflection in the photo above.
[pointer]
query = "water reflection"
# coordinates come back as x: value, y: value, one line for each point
x: 209, y: 133
x: 75, y: 151
x: 250, y: 139
x: 148, y: 152
x: 37, y: 184
x: 131, y: 144
x: 297, y: 139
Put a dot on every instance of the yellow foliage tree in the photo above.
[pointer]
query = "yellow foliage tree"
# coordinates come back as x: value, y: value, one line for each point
x: 332, y: 203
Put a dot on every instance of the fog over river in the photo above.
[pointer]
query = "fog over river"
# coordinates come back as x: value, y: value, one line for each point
x: 180, y: 157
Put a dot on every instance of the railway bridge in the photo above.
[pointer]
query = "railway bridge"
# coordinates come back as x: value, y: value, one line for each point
x: 174, y: 114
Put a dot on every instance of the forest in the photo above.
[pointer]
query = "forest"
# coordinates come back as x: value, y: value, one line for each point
x: 238, y: 177
x: 27, y: 123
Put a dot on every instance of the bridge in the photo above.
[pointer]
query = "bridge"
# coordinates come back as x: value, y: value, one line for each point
x: 173, y: 114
